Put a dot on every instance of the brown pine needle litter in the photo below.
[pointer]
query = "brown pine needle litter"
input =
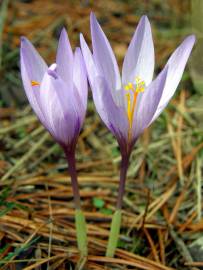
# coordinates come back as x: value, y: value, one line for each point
x: 162, y: 215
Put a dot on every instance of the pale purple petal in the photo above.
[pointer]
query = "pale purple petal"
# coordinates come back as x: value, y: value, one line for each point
x: 139, y: 59
x: 95, y: 82
x: 103, y: 55
x: 93, y: 72
x: 35, y: 65
x: 176, y: 65
x: 59, y: 108
x: 64, y: 58
x: 148, y: 103
x: 114, y: 117
x: 33, y: 68
x: 89, y: 61
x: 59, y: 103
x: 80, y: 80
x: 92, y: 75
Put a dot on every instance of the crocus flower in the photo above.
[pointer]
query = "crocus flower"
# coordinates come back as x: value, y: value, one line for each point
x: 58, y: 96
x: 129, y: 103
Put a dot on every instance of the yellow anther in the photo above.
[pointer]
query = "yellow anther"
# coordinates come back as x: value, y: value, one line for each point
x: 127, y: 87
x: 35, y: 83
x: 140, y: 89
x: 130, y: 85
x: 138, y: 79
x: 140, y: 85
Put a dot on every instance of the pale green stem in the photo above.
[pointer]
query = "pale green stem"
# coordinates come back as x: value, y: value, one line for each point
x: 114, y: 233
x: 81, y: 232
x: 116, y: 220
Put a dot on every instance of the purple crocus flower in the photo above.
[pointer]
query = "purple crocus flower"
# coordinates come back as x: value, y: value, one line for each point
x: 130, y: 103
x: 58, y: 96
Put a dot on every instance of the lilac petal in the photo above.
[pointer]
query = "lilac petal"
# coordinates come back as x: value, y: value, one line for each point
x: 34, y: 64
x: 32, y: 94
x: 80, y: 80
x: 33, y: 68
x: 176, y: 65
x: 114, y: 117
x: 148, y: 103
x: 102, y: 96
x: 89, y: 62
x: 103, y: 55
x: 64, y: 58
x: 92, y: 75
x: 59, y: 108
x: 139, y: 59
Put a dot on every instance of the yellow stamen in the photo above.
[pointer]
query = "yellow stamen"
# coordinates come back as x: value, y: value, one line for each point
x: 140, y: 85
x: 128, y: 107
x: 136, y: 89
x: 35, y: 83
x: 133, y: 106
x: 130, y: 85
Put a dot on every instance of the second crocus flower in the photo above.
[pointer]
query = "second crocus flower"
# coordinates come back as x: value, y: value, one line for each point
x: 130, y: 103
x: 58, y: 96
